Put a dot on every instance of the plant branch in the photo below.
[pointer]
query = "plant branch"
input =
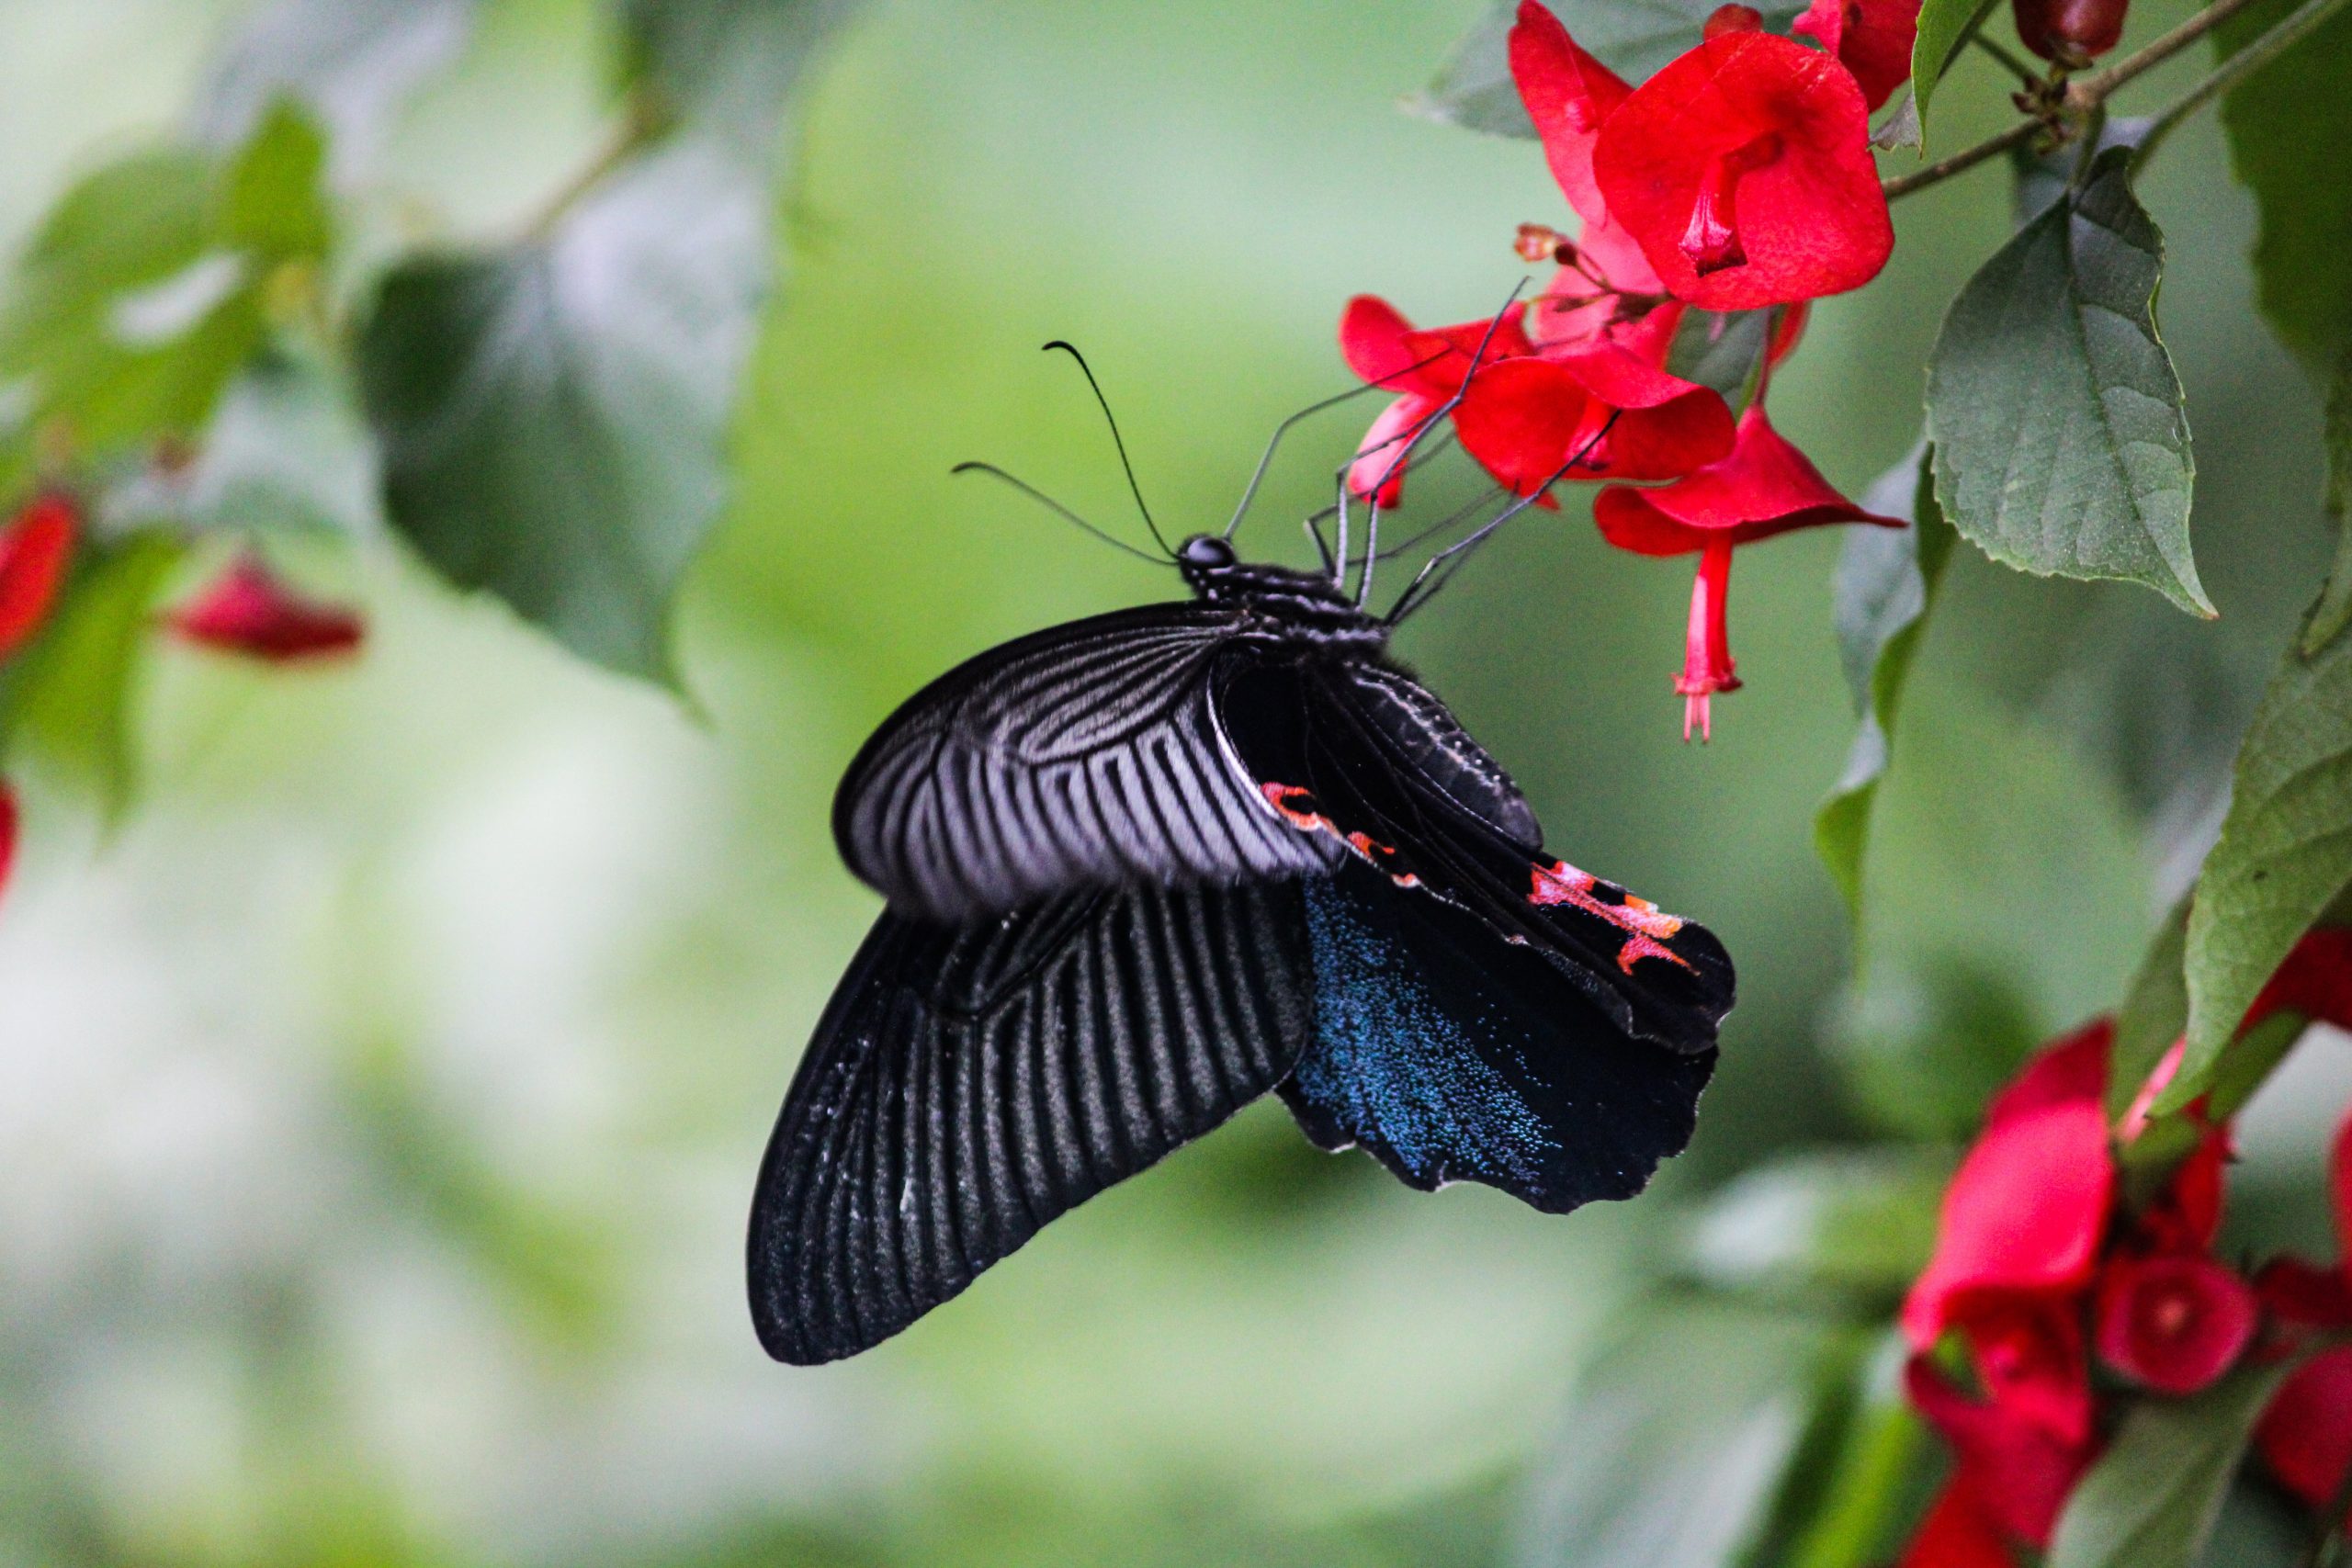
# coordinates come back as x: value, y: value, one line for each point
x: 2073, y: 107
x: 638, y: 125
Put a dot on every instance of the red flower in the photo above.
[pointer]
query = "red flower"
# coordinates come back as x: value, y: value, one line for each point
x: 1742, y: 169
x: 1958, y: 1532
x: 35, y: 550
x: 247, y: 610
x: 1870, y: 38
x: 2014, y: 1473
x: 1426, y: 367
x: 2305, y: 1437
x: 2315, y: 980
x: 1762, y: 487
x: 2174, y: 1321
x: 1568, y: 95
x: 1525, y: 419
x: 2029, y: 1204
x: 2029, y: 1353
x: 2073, y: 32
x: 7, y: 831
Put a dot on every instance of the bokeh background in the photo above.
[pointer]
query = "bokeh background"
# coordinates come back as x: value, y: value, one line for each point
x: 380, y: 1102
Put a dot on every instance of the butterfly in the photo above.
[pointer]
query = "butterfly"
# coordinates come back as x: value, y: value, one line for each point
x: 1145, y: 868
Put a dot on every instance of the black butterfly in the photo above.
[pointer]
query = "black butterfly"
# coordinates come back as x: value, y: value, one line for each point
x: 1143, y: 868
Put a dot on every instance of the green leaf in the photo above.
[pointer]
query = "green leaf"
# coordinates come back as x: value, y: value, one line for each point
x: 1722, y: 350
x: 285, y: 449
x: 2284, y: 855
x: 554, y: 417
x: 2155, y: 1011
x: 726, y: 68
x: 1885, y: 582
x: 2043, y: 178
x: 350, y: 62
x: 1850, y: 1222
x: 149, y: 284
x: 1677, y: 1447
x: 1944, y: 28
x: 2061, y: 444
x: 2289, y: 124
x: 1633, y: 37
x: 1926, y: 1041
x: 68, y: 702
x: 2154, y: 1496
x: 2334, y: 612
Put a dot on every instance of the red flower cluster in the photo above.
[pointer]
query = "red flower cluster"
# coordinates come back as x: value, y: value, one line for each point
x: 248, y: 611
x: 36, y: 548
x: 2041, y: 1272
x: 1737, y: 179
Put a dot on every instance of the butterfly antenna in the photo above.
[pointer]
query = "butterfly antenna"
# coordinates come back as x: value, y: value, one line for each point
x: 1421, y: 591
x: 1266, y: 458
x: 1462, y: 390
x: 1041, y: 499
x: 1116, y: 439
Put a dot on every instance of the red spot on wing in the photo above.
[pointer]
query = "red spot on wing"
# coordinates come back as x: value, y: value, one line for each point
x: 1296, y: 805
x: 1647, y: 927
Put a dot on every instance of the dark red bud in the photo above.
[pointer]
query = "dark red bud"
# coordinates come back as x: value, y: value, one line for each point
x: 2070, y: 32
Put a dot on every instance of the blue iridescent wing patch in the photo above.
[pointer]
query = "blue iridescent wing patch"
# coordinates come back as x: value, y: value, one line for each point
x: 1451, y: 1057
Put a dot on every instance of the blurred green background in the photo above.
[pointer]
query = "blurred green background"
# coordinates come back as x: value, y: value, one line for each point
x: 379, y: 1106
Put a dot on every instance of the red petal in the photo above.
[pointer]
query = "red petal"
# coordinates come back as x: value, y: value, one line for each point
x: 2025, y: 1213
x: 1788, y: 331
x: 2187, y: 1215
x: 35, y: 550
x: 8, y: 824
x: 2304, y: 1294
x: 2306, y: 1435
x: 2175, y: 1322
x: 1372, y: 340
x: 2030, y: 1358
x: 1524, y: 419
x: 1958, y: 1532
x: 1382, y: 452
x: 2339, y: 1186
x: 1764, y: 487
x: 2315, y: 981
x: 1812, y: 219
x: 1872, y: 38
x: 1568, y: 93
x: 246, y: 610
x: 2071, y: 1070
x: 2018, y: 1470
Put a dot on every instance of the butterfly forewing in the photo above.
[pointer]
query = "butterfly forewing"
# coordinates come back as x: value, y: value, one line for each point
x: 968, y: 1084
x: 1086, y: 756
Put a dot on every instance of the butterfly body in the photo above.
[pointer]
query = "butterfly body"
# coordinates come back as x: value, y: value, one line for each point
x: 1144, y: 868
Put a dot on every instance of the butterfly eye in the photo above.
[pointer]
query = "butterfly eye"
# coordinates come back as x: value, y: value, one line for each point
x: 1207, y: 552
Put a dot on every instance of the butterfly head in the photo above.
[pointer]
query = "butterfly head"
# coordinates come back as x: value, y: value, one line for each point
x: 1204, y: 559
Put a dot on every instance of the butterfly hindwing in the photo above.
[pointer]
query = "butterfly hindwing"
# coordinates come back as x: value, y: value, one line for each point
x: 1451, y: 1057
x: 1085, y: 756
x: 1341, y: 752
x: 968, y: 1084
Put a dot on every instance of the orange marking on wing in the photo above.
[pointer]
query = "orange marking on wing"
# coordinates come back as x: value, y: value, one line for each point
x: 1647, y: 927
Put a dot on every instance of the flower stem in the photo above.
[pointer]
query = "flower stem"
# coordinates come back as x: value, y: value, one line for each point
x: 2086, y: 94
